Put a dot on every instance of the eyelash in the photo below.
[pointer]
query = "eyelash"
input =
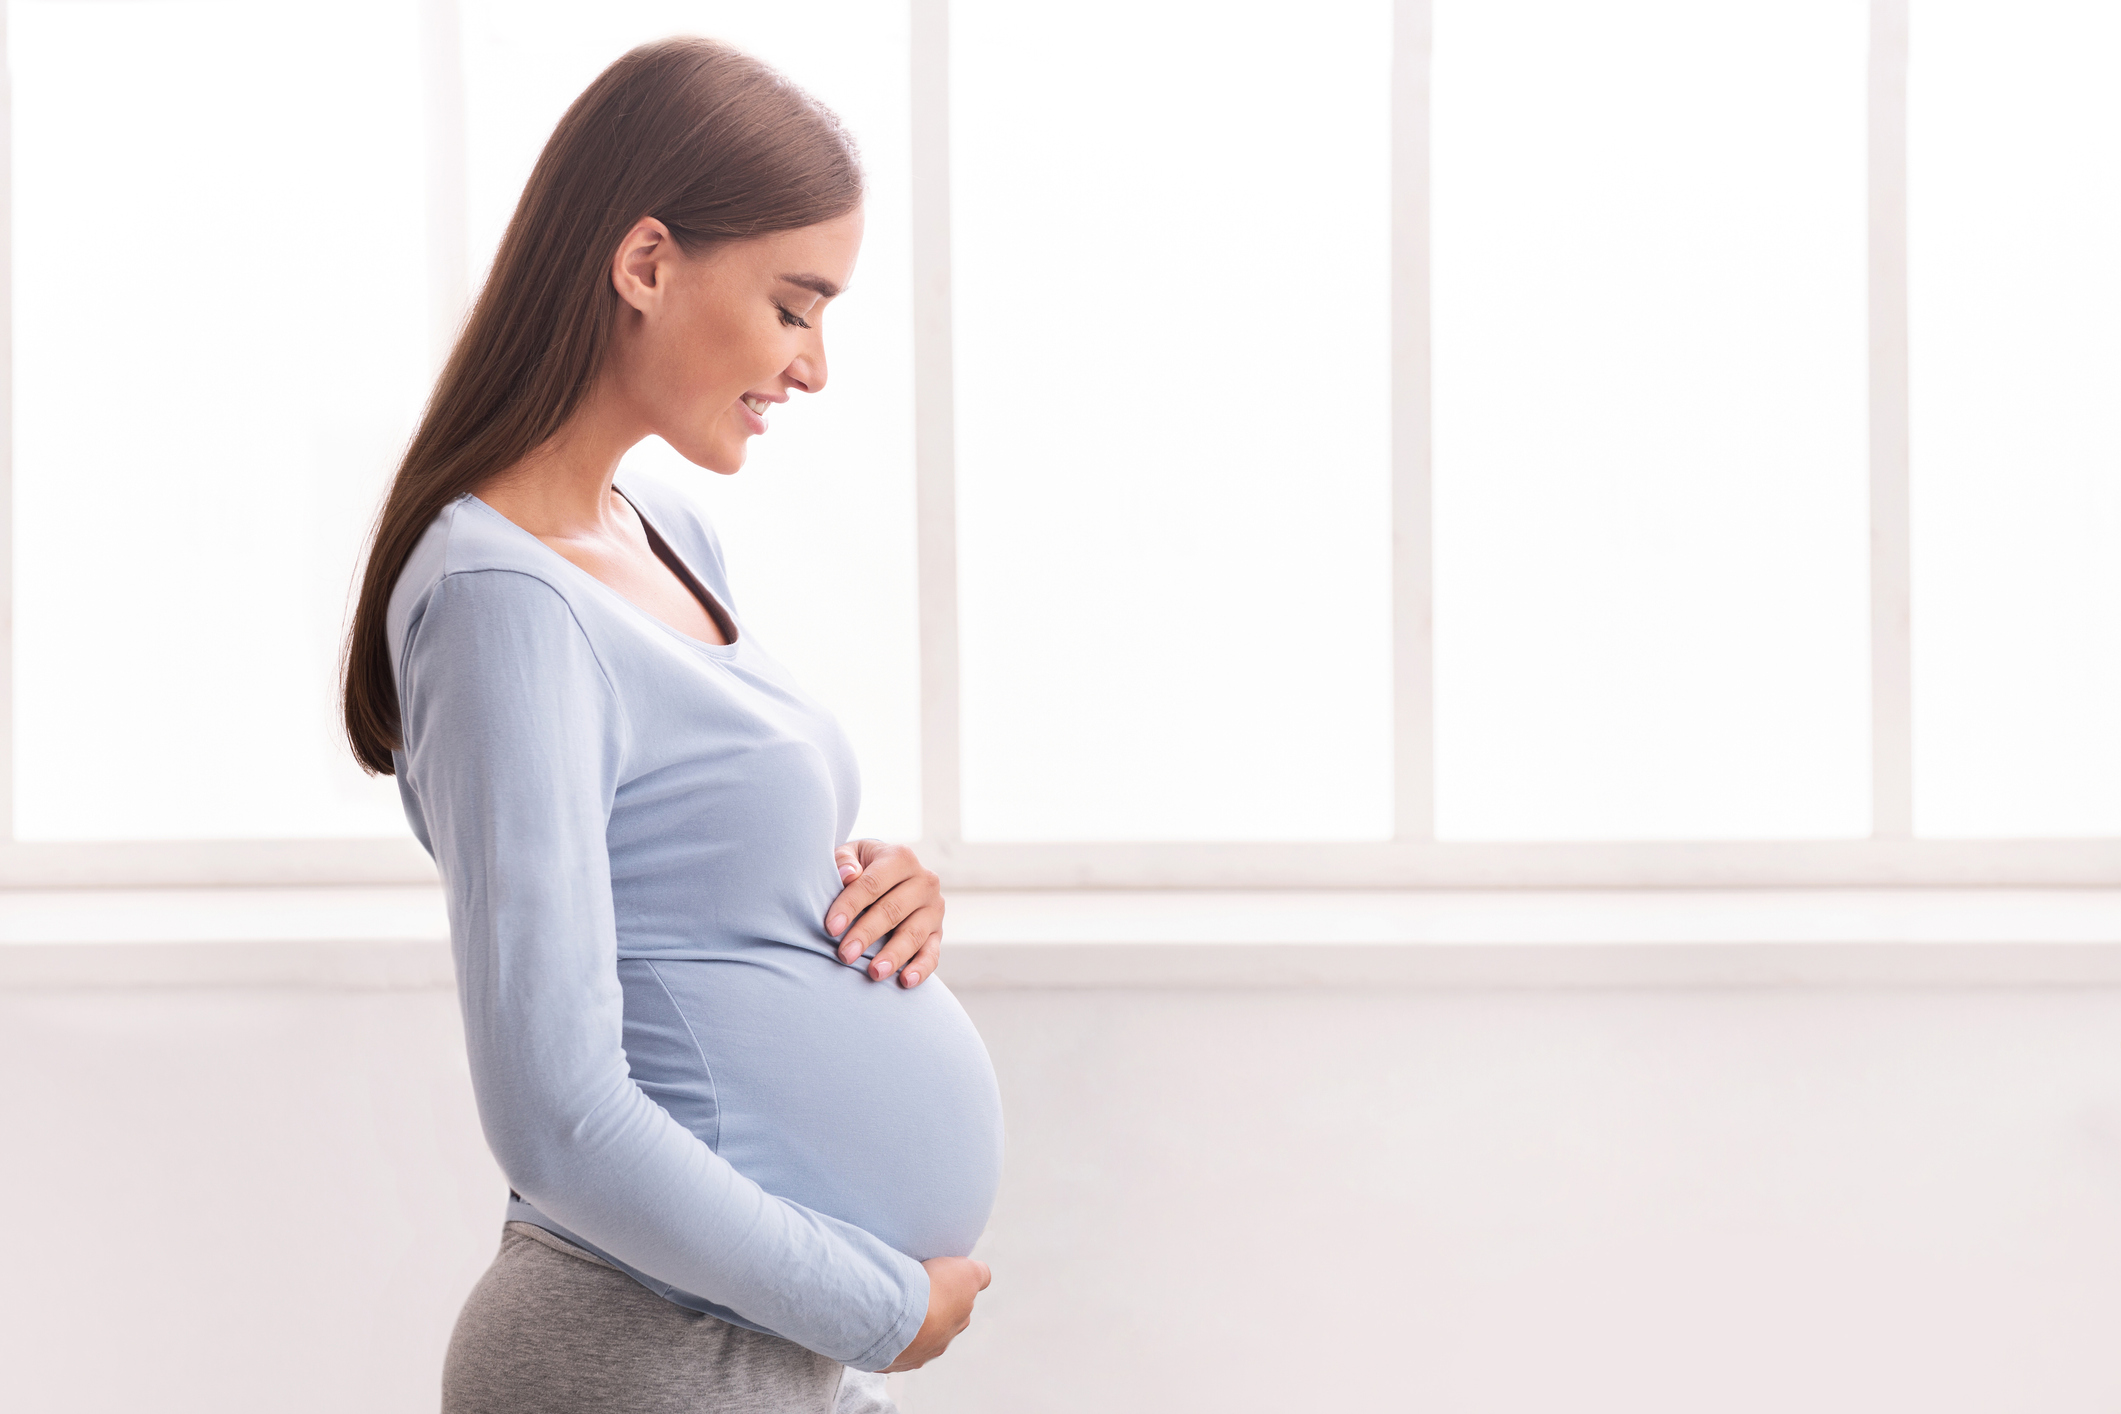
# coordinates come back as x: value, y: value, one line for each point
x: 789, y: 317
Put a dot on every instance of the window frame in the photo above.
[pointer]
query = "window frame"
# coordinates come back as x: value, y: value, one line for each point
x: 1414, y: 857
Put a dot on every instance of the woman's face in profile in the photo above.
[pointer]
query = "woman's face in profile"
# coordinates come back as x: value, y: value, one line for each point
x: 714, y: 341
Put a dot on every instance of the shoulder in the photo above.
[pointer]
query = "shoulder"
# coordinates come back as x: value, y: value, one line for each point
x: 495, y: 658
x: 473, y: 564
x: 470, y: 538
x: 494, y: 645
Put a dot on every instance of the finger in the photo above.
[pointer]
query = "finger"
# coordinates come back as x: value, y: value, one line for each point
x: 900, y: 902
x: 924, y: 962
x: 879, y: 918
x: 918, y: 888
x: 906, y: 940
x: 881, y: 872
x: 848, y: 864
x: 986, y: 1273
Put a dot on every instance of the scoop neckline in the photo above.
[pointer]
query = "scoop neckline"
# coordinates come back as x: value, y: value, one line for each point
x: 714, y: 650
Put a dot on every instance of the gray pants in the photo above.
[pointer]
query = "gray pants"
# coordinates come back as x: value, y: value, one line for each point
x: 551, y: 1329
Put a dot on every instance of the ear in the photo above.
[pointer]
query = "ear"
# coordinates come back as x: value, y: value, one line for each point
x: 640, y: 268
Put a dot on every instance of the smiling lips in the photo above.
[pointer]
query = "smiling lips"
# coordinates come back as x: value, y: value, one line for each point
x: 755, y: 412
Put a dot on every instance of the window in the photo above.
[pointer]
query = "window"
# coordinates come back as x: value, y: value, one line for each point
x: 222, y: 334
x: 1172, y: 356
x: 1479, y: 441
x: 1649, y: 420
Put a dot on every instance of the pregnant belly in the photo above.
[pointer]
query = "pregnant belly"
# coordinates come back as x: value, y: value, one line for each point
x: 862, y: 1100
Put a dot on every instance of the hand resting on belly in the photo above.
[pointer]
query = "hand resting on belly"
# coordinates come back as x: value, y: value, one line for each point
x: 887, y: 890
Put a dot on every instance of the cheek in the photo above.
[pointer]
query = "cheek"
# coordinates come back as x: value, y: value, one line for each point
x: 714, y: 359
x: 700, y: 350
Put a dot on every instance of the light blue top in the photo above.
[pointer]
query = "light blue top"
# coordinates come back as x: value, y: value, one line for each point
x: 635, y: 831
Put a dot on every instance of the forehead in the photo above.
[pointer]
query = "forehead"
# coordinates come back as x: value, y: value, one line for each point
x: 827, y: 249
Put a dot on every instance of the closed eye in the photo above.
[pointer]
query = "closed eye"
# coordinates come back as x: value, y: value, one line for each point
x: 791, y: 318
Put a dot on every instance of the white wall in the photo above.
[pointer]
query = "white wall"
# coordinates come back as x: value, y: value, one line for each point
x: 235, y: 1199
x: 1540, y: 1201
x: 1228, y: 1193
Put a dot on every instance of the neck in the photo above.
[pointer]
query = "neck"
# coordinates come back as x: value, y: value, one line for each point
x: 563, y: 487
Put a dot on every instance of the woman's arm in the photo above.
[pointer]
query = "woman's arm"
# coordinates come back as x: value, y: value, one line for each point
x: 513, y: 739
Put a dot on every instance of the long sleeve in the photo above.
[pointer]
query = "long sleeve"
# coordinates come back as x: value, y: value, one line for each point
x: 514, y: 742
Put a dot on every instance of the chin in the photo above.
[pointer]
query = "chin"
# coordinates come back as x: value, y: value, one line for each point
x: 715, y: 455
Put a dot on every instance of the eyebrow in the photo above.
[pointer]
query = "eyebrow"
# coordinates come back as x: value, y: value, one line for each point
x: 816, y: 284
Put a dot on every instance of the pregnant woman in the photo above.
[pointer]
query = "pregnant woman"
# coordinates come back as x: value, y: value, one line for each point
x: 751, y: 1140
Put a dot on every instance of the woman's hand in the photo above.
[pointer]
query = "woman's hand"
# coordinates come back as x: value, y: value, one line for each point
x: 954, y: 1283
x: 887, y: 890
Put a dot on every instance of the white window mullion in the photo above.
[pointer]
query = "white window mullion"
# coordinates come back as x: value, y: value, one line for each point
x: 935, y: 461
x: 1413, y: 583
x: 1892, y: 741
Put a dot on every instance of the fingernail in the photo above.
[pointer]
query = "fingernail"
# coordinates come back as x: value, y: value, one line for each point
x: 849, y: 952
x: 880, y: 970
x: 848, y: 871
x: 913, y: 977
x: 836, y: 924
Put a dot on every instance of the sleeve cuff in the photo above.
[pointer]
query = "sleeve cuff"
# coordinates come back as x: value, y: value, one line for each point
x: 908, y: 1325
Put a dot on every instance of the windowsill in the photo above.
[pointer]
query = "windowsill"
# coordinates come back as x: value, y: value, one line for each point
x: 396, y: 938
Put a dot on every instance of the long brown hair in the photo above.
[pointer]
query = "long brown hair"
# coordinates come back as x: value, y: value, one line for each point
x: 710, y: 141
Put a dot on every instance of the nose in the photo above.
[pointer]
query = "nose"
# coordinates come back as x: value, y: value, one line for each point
x: 808, y: 370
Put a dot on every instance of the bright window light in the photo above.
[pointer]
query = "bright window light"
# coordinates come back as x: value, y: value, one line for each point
x: 204, y: 427
x: 1650, y: 419
x: 222, y: 335
x: 1170, y: 247
x: 2014, y: 244
x: 241, y: 230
